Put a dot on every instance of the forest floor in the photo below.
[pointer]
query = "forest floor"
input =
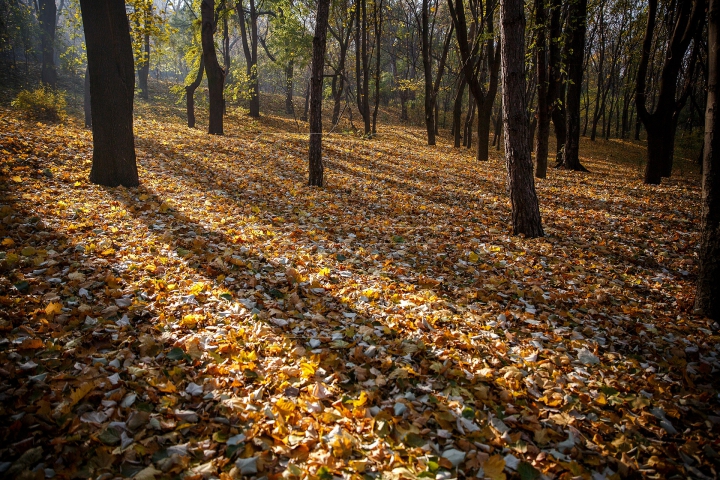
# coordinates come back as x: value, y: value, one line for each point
x: 224, y: 319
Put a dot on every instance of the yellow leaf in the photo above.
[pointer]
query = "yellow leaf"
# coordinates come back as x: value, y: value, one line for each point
x: 324, y: 272
x: 168, y: 387
x: 191, y: 320
x: 473, y: 257
x: 308, y: 369
x: 54, y: 308
x: 17, y: 179
x: 285, y: 406
x: 27, y: 251
x: 8, y: 242
x: 11, y: 258
x: 494, y: 467
x: 362, y: 400
x: 144, y: 197
x: 197, y: 288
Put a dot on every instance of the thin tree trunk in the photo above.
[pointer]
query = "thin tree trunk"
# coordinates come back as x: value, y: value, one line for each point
x: 543, y: 115
x: 304, y: 116
x: 289, y: 87
x: 427, y: 70
x: 86, y: 100
x: 457, y: 111
x: 112, y: 87
x: 215, y: 74
x: 190, y: 93
x: 525, y: 208
x: 47, y: 17
x: 578, y: 25
x: 316, y: 82
x: 707, y: 299
x: 144, y: 68
x: 377, y: 12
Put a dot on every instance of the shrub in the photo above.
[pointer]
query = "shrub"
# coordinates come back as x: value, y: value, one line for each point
x: 41, y: 104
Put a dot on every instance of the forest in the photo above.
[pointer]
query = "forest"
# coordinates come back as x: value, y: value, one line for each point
x: 359, y: 239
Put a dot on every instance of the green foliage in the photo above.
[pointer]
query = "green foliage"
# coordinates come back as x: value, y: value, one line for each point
x: 41, y: 104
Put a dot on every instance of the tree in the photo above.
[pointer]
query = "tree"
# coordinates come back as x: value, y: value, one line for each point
x: 362, y: 63
x: 543, y: 110
x: 525, y: 209
x: 213, y: 70
x: 190, y: 93
x: 707, y: 299
x: 47, y: 16
x: 577, y: 25
x: 660, y: 124
x: 144, y: 23
x: 316, y: 82
x: 480, y: 57
x: 112, y: 86
x: 248, y: 19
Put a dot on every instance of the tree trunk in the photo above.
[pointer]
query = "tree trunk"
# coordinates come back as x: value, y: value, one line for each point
x: 707, y: 298
x: 86, y: 100
x: 469, y: 120
x: 250, y: 51
x: 46, y: 16
x: 427, y: 70
x: 457, y: 111
x: 525, y: 209
x: 190, y: 93
x: 578, y: 25
x: 660, y: 123
x: 316, y: 82
x: 377, y: 12
x: 144, y: 68
x: 306, y: 109
x: 289, y: 87
x: 215, y: 74
x: 112, y: 87
x: 543, y: 112
x: 556, y: 88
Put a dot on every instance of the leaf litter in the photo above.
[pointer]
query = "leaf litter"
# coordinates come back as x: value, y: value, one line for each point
x: 224, y: 320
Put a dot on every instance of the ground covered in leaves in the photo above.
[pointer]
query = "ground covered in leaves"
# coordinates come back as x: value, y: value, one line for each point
x: 224, y: 319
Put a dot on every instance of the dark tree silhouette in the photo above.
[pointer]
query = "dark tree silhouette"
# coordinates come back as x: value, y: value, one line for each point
x: 190, y: 93
x: 525, y: 209
x: 316, y: 82
x: 707, y: 300
x: 577, y: 23
x: 46, y: 16
x: 112, y: 86
x: 215, y: 73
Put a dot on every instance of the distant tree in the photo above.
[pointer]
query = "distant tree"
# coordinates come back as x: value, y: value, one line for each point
x: 577, y: 25
x: 525, y: 209
x: 543, y: 109
x: 215, y: 73
x: 707, y: 299
x: 316, y: 83
x: 47, y: 17
x: 112, y: 87
x: 661, y: 123
x: 145, y: 22
x: 190, y: 93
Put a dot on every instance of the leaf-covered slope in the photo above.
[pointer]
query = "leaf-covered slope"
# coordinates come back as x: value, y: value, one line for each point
x: 225, y: 319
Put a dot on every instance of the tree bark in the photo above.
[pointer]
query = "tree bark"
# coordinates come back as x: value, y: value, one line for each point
x: 289, y: 87
x: 144, y: 68
x: 707, y: 298
x: 112, y: 87
x: 543, y: 111
x: 86, y: 100
x: 525, y: 209
x: 190, y: 93
x: 457, y: 112
x: 47, y: 15
x: 660, y: 124
x: 427, y: 70
x: 250, y: 52
x: 316, y: 82
x: 215, y: 73
x: 578, y: 26
x: 378, y: 17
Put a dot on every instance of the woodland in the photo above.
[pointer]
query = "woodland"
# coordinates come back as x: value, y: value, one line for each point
x: 359, y: 239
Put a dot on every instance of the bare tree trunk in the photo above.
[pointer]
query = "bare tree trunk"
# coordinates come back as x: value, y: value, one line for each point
x: 289, y: 87
x: 304, y: 116
x: 47, y: 15
x: 660, y: 124
x: 707, y: 299
x: 378, y: 16
x: 427, y: 70
x: 543, y: 112
x: 469, y: 121
x: 144, y: 68
x: 86, y: 100
x: 316, y: 82
x: 190, y: 93
x: 112, y: 87
x: 578, y: 26
x: 457, y: 111
x: 525, y: 209
x: 215, y: 74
